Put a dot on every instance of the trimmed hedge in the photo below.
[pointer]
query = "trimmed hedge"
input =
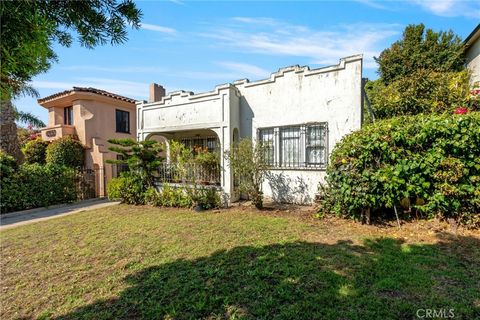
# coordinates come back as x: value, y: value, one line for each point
x: 66, y: 151
x: 425, y: 164
x: 34, y: 185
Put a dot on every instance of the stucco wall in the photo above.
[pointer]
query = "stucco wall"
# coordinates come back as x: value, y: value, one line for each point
x: 94, y: 120
x: 292, y: 96
x: 181, y: 110
x: 295, y: 96
x: 473, y: 61
x: 97, y: 124
x: 183, y: 113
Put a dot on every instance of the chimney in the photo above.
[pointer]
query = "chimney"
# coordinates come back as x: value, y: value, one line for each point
x: 157, y: 92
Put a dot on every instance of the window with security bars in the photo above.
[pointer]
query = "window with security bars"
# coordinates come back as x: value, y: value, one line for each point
x: 316, y: 145
x: 267, y: 138
x: 290, y: 147
x: 299, y: 146
x: 211, y: 143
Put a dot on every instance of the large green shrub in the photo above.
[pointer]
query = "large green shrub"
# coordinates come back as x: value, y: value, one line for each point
x: 421, y: 92
x: 34, y: 185
x: 8, y: 165
x: 428, y: 165
x: 423, y: 72
x: 35, y: 151
x: 66, y: 151
x: 128, y: 188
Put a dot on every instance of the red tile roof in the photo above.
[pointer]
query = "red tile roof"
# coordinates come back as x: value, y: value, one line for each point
x: 90, y: 90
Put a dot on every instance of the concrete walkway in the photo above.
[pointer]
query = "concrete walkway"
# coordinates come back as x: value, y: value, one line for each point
x: 14, y: 219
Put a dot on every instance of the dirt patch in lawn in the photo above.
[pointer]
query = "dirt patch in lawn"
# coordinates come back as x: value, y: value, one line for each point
x: 415, y: 231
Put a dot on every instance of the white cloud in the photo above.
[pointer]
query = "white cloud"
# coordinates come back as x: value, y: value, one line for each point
x: 178, y: 2
x: 131, y: 69
x: 438, y: 7
x: 122, y: 87
x: 157, y: 28
x: 444, y: 8
x: 244, y: 69
x: 41, y: 84
x: 450, y: 8
x: 373, y: 4
x: 321, y: 46
x: 256, y: 20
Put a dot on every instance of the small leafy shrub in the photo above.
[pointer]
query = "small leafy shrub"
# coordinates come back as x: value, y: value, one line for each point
x: 179, y: 153
x: 182, y: 197
x: 424, y: 164
x: 247, y: 160
x: 34, y: 185
x: 205, y: 198
x: 35, y: 151
x: 66, y: 151
x: 175, y: 197
x: 152, y: 197
x: 129, y: 188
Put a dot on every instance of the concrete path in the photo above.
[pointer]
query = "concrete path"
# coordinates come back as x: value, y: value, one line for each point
x: 14, y: 219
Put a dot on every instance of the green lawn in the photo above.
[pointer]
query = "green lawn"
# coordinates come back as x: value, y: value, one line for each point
x: 141, y: 262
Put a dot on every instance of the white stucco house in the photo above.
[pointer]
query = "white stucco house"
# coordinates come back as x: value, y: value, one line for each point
x: 301, y: 113
x: 472, y: 55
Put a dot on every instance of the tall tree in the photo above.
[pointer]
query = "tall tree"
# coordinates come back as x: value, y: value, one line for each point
x: 421, y: 49
x: 30, y: 28
x: 423, y: 72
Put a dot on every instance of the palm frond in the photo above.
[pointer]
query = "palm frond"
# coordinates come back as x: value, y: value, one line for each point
x: 27, y: 117
x: 27, y: 90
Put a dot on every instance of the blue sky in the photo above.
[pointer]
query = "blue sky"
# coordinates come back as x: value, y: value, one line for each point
x: 196, y: 45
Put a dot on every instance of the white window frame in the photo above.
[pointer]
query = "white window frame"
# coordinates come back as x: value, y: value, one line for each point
x: 303, y: 146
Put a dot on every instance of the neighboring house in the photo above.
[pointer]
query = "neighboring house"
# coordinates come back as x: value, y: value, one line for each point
x: 94, y: 116
x: 300, y: 113
x: 472, y: 54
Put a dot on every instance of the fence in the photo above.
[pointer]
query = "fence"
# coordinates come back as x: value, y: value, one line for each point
x: 189, y: 173
x: 85, y: 186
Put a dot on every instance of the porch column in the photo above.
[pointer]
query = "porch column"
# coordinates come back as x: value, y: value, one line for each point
x: 226, y: 180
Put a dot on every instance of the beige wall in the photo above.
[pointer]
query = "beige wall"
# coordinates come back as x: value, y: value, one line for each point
x: 55, y: 116
x: 473, y: 61
x: 94, y: 122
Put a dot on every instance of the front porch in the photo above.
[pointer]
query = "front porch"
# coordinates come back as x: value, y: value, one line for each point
x: 194, y: 158
x: 191, y: 157
x: 196, y: 130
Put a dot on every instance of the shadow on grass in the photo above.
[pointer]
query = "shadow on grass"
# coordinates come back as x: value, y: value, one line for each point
x: 381, y: 279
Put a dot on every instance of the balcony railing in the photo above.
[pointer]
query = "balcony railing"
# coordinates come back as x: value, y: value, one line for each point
x: 57, y: 131
x: 191, y: 173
